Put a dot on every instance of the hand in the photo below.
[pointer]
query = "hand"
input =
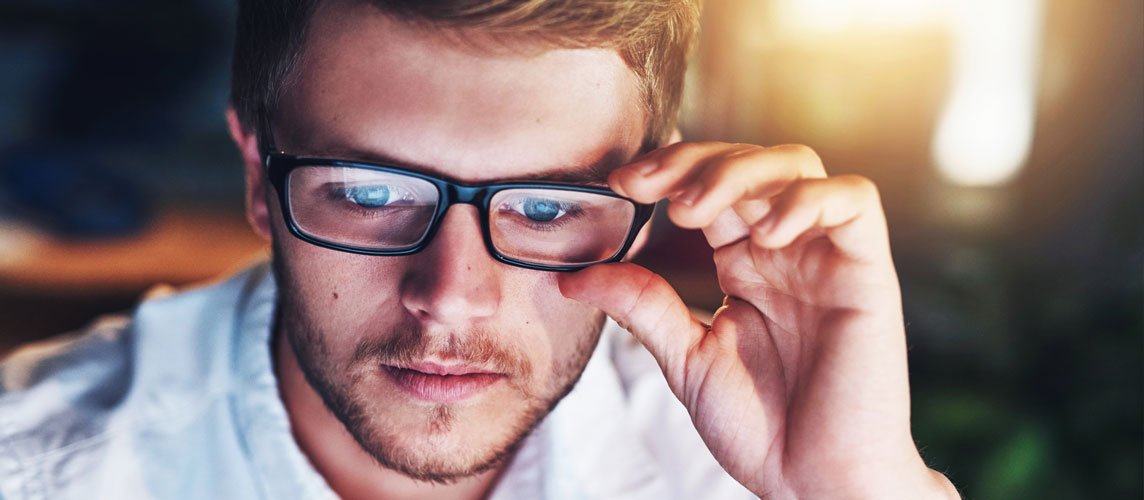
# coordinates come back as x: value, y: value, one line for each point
x: 799, y: 386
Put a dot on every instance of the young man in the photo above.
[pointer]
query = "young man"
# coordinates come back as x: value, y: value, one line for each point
x: 450, y: 189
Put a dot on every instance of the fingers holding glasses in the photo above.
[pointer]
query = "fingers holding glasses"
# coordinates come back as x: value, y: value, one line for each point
x: 848, y: 208
x: 664, y: 171
x: 704, y: 180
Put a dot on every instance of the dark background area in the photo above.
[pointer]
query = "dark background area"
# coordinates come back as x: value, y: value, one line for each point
x: 1024, y: 301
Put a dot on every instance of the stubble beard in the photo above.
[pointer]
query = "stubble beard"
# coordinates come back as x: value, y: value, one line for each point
x: 407, y: 342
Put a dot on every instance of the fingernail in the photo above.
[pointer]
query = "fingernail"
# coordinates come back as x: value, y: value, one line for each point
x: 690, y: 195
x: 764, y: 225
x: 648, y: 167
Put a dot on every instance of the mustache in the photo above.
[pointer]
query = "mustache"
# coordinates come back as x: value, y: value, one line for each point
x: 410, y: 343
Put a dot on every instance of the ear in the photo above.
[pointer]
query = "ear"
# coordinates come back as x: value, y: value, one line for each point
x: 676, y: 136
x: 257, y: 212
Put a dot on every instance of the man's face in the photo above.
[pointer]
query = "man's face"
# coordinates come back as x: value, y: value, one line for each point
x: 373, y: 334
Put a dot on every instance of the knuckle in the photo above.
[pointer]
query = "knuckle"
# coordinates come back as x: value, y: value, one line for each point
x: 802, y: 190
x: 786, y: 202
x: 752, y: 151
x: 806, y: 157
x: 684, y: 150
x: 675, y: 152
x: 800, y: 150
x: 866, y: 188
x: 735, y: 163
x: 649, y: 294
x: 723, y: 166
x: 799, y: 193
x: 742, y: 147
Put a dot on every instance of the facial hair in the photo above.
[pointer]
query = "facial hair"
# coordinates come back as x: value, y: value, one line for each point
x: 408, y: 342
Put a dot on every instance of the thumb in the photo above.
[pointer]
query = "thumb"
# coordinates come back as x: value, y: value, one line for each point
x: 643, y: 303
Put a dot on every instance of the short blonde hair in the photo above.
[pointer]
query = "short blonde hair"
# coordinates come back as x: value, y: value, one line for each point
x: 654, y: 38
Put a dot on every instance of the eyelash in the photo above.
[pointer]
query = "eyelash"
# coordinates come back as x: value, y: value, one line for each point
x: 337, y: 194
x: 571, y: 212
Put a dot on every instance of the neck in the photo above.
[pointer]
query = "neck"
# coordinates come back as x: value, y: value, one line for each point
x: 346, y: 467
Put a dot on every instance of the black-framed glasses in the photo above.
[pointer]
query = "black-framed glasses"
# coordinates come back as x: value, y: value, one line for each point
x: 377, y: 209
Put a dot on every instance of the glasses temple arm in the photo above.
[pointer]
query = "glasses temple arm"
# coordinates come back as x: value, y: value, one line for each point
x: 265, y: 134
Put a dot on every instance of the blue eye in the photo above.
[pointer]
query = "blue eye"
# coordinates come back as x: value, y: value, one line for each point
x: 368, y: 196
x: 541, y: 210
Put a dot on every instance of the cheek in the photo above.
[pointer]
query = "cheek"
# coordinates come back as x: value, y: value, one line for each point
x: 329, y: 278
x: 340, y: 296
x: 556, y: 330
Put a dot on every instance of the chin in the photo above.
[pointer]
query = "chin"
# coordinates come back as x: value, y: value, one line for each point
x: 442, y: 443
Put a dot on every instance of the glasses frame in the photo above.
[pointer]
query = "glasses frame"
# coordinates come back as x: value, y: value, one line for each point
x: 278, y: 166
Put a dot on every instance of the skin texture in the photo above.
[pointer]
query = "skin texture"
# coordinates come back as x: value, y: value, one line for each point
x: 802, y: 372
x: 464, y: 113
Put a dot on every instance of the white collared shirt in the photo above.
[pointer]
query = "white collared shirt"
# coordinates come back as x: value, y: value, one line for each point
x: 179, y: 401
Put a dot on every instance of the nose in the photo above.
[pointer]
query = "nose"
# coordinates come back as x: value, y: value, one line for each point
x: 454, y: 281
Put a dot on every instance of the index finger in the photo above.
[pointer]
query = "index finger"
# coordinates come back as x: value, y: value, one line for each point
x: 655, y: 175
x: 704, y: 179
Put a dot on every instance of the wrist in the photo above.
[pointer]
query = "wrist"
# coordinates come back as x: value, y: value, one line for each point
x: 922, y: 484
x: 915, y: 481
x: 942, y: 487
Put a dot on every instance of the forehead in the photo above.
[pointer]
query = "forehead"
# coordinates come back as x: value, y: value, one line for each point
x: 370, y: 84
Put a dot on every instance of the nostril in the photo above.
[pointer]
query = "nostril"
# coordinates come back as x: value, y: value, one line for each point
x: 449, y: 301
x: 454, y: 279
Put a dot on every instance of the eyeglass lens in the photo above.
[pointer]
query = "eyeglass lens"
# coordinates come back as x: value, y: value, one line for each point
x: 375, y: 210
x: 554, y: 227
x: 361, y: 208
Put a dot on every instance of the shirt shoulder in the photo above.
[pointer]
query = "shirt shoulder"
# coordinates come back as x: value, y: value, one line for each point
x: 67, y: 403
x: 63, y: 384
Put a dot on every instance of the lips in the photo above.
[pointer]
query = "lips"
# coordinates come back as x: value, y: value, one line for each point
x: 441, y: 383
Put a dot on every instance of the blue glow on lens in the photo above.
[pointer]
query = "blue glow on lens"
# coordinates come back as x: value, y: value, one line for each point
x: 541, y: 210
x: 368, y: 196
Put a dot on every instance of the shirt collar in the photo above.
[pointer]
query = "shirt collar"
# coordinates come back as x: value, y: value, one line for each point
x: 283, y: 470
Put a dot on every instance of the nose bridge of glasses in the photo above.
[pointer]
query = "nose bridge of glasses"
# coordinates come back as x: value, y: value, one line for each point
x: 472, y: 195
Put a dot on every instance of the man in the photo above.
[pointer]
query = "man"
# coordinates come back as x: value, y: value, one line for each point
x: 450, y: 189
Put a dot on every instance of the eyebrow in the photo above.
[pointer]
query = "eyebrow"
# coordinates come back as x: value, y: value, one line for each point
x: 593, y: 172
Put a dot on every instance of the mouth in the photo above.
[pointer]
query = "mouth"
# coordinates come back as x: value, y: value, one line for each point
x: 440, y: 383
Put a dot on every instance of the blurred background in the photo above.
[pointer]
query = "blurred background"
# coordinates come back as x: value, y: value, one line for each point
x: 1007, y: 138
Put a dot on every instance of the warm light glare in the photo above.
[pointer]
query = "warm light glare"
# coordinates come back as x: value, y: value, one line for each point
x: 986, y: 130
x: 816, y: 17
